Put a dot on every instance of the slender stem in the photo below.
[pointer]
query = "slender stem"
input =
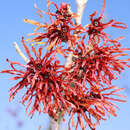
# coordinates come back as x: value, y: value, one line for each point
x: 81, y: 4
x: 69, y: 60
x: 53, y: 124
x: 20, y: 52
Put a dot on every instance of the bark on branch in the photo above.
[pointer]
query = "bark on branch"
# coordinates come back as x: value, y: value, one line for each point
x: 81, y: 4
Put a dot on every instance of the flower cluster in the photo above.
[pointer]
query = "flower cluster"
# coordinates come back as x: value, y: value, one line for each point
x: 96, y: 27
x: 41, y: 79
x: 82, y: 88
x: 57, y: 31
x: 99, y: 65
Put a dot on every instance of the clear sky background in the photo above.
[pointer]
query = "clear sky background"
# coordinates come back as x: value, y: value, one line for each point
x: 12, y: 27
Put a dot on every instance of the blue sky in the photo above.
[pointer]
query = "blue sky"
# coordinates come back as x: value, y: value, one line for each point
x: 12, y: 27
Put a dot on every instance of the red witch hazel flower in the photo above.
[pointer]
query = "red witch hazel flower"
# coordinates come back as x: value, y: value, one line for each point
x: 99, y: 65
x: 42, y: 82
x: 95, y: 29
x: 58, y: 31
x: 63, y: 13
x: 93, y: 106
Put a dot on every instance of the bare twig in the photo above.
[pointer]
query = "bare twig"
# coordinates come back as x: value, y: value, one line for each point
x: 81, y: 4
x: 53, y: 124
x: 20, y: 52
x: 69, y: 60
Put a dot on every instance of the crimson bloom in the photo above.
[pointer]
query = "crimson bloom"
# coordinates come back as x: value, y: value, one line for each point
x: 55, y: 35
x: 93, y: 106
x: 63, y: 13
x: 58, y: 31
x: 99, y: 65
x: 41, y: 80
x: 95, y: 29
